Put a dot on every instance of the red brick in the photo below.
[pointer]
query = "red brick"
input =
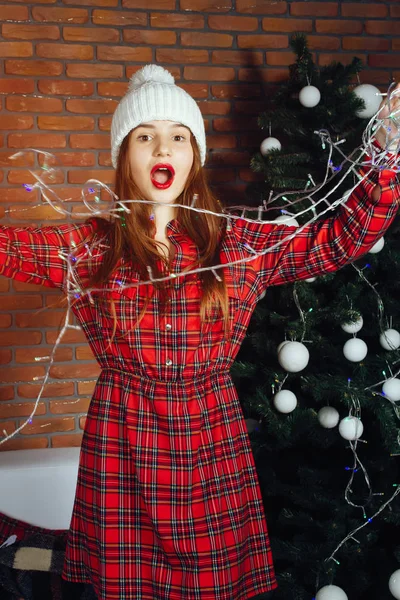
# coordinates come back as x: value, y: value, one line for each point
x: 32, y: 355
x: 144, y: 36
x: 395, y: 11
x: 91, y: 106
x: 86, y: 141
x: 234, y: 124
x: 383, y: 60
x: 365, y: 43
x: 48, y: 425
x: 177, y: 21
x: 386, y: 27
x: 86, y: 387
x: 323, y: 42
x: 209, y: 73
x: 17, y: 49
x: 313, y: 9
x: 35, y: 213
x: 221, y: 141
x: 29, y: 443
x: 81, y: 176
x: 31, y: 104
x: 95, y: 71
x: 181, y: 56
x: 18, y: 195
x: 65, y: 52
x: 66, y: 88
x: 87, y: 34
x: 261, y: 7
x: 13, y: 122
x: 123, y: 54
x: 105, y: 123
x: 43, y: 319
x: 76, y: 405
x: 203, y: 5
x: 211, y: 40
x: 17, y: 86
x: 67, y: 440
x: 235, y: 91
x: 5, y: 321
x: 66, y: 123
x: 5, y: 357
x: 21, y: 409
x: 14, y: 338
x: 50, y: 390
x: 280, y: 58
x: 211, y: 107
x: 120, y: 18
x: 30, y: 32
x: 263, y: 41
x: 48, y: 14
x: 14, y: 13
x: 369, y: 9
x: 32, y: 67
x: 75, y: 371
x: 236, y: 57
x: 338, y: 26
x: 22, y: 374
x: 6, y: 392
x: 71, y: 336
x: 112, y: 88
x: 396, y: 44
x: 284, y: 24
x: 36, y: 140
x: 108, y: 3
x: 75, y: 159
x: 225, y: 23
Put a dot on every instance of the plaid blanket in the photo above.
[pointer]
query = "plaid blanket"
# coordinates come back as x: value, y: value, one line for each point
x: 31, y: 562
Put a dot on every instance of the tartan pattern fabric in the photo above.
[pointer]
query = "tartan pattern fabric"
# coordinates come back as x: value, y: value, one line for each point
x: 168, y: 505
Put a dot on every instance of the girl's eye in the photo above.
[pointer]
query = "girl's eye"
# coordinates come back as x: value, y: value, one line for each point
x: 145, y: 135
x: 180, y: 136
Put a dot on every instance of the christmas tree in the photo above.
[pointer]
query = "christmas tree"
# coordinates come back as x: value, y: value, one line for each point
x: 329, y: 488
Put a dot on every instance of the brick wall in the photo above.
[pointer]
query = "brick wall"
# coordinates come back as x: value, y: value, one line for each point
x: 64, y: 67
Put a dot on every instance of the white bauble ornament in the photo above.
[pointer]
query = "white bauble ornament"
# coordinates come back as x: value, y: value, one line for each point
x: 355, y: 350
x: 377, y: 247
x: 391, y: 389
x: 328, y: 417
x: 353, y: 327
x: 286, y: 220
x: 390, y: 339
x: 270, y: 143
x: 285, y: 401
x: 309, y: 96
x: 351, y: 428
x: 394, y: 584
x: 251, y: 424
x: 331, y: 592
x: 281, y: 346
x: 372, y: 99
x: 293, y: 357
x: 310, y: 279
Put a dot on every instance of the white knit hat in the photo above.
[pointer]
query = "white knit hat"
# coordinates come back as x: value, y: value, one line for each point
x: 153, y: 96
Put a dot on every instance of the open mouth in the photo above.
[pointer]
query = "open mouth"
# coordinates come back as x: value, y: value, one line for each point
x: 162, y: 176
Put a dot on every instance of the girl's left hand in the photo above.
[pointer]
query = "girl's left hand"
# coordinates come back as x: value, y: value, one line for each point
x: 388, y: 134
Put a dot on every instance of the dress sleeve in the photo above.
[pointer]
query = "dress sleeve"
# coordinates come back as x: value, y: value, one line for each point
x: 325, y: 245
x: 38, y: 255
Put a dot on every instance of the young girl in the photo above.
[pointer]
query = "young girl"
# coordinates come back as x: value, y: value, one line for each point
x: 167, y: 503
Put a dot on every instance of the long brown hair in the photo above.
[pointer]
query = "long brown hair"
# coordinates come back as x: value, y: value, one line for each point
x: 133, y: 235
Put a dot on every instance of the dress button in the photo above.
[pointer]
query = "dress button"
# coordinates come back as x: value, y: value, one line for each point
x: 168, y: 326
x: 168, y: 362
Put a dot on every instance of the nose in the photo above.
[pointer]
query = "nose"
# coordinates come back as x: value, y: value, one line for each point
x: 163, y: 147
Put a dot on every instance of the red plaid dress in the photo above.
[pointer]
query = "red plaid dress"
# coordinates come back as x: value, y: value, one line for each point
x: 168, y: 505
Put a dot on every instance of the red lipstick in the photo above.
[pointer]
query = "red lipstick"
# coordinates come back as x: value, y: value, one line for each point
x: 165, y: 167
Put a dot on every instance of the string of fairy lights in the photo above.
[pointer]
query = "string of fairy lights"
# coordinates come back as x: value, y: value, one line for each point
x: 369, y: 157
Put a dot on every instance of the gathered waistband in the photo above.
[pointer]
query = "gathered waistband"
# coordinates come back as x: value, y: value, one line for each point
x: 214, y: 374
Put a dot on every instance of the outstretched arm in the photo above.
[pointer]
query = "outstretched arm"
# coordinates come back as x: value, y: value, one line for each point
x: 38, y: 255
